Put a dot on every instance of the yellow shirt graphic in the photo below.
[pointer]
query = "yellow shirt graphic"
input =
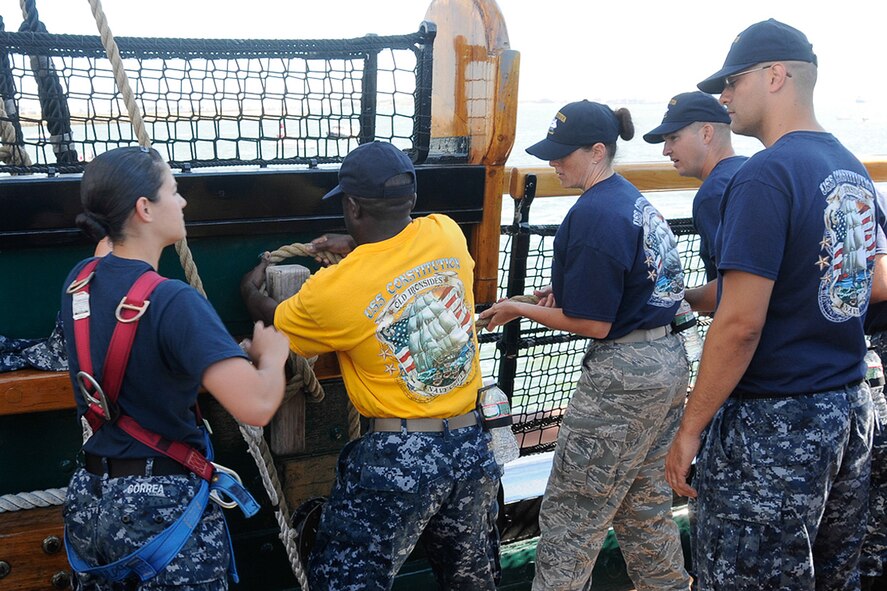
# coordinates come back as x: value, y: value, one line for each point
x: 400, y: 316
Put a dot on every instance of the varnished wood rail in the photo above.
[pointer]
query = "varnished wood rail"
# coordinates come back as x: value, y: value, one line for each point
x: 646, y: 176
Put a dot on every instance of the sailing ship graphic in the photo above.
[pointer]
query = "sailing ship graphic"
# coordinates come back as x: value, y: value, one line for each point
x: 661, y: 255
x: 849, y: 243
x: 429, y: 333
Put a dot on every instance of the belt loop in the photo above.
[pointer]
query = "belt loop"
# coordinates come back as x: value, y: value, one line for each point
x: 403, y: 427
x: 446, y: 427
x: 149, y: 466
x: 106, y: 469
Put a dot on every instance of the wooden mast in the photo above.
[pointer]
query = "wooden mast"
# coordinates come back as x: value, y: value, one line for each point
x: 475, y: 100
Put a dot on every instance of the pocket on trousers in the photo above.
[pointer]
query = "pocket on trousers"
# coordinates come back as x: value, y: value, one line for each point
x: 390, y: 479
x: 779, y: 436
x: 636, y: 378
x: 590, y: 460
x: 136, y: 508
x: 744, y: 539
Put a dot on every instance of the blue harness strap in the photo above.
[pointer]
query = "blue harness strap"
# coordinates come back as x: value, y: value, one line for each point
x: 218, y: 483
x: 154, y: 555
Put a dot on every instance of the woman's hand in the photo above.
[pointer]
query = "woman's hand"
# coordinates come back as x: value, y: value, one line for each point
x: 500, y: 313
x: 546, y: 297
x: 252, y: 393
x: 268, y: 347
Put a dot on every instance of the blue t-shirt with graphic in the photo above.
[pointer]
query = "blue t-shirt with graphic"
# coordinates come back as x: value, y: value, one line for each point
x: 178, y: 338
x: 616, y: 260
x: 707, y: 209
x: 803, y: 214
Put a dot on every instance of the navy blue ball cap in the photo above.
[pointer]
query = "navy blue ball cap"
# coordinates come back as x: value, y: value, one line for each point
x: 583, y: 123
x: 766, y: 41
x: 367, y: 168
x: 687, y: 108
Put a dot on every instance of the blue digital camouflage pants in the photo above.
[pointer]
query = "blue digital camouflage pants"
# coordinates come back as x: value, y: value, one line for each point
x: 873, y: 561
x: 390, y: 487
x: 783, y: 493
x: 609, y: 469
x: 107, y: 518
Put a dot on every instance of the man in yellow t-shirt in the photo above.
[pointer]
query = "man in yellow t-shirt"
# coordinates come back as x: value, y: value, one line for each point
x: 398, y: 313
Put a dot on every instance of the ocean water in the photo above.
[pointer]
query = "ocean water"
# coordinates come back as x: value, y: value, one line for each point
x: 858, y: 125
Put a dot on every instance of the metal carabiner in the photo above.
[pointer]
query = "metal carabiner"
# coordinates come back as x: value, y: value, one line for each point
x: 214, y: 494
x: 85, y: 381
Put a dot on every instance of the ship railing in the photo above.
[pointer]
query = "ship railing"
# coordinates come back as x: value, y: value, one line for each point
x: 539, y: 367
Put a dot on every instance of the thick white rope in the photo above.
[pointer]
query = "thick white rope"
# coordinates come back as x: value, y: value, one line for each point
x: 10, y: 152
x: 32, y: 500
x: 258, y: 449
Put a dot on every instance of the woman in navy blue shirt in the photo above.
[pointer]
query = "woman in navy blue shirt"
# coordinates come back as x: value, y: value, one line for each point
x: 617, y: 279
x: 127, y: 492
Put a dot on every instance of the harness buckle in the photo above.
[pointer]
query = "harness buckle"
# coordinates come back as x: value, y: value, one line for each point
x: 79, y: 284
x: 88, y: 385
x: 215, y: 495
x: 139, y: 310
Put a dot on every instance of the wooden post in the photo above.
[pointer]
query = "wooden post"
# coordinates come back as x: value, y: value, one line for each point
x: 475, y: 99
x: 287, y: 428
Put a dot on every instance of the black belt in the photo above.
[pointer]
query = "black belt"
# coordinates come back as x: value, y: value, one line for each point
x: 740, y: 395
x: 117, y: 467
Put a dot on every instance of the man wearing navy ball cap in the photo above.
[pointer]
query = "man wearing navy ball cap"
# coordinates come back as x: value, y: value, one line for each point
x: 424, y: 467
x: 695, y: 133
x: 782, y: 480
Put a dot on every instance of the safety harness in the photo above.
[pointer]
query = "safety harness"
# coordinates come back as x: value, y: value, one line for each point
x: 220, y: 484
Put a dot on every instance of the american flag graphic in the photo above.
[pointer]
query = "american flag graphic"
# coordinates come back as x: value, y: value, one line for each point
x: 840, y: 232
x: 456, y: 305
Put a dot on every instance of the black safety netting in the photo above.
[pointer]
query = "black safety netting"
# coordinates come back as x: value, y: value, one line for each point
x: 211, y: 103
x: 537, y: 366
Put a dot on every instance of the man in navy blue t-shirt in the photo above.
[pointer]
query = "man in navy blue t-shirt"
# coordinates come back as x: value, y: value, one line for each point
x: 783, y: 477
x: 695, y: 133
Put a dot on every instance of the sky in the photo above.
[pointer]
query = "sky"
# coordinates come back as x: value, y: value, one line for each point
x: 570, y: 49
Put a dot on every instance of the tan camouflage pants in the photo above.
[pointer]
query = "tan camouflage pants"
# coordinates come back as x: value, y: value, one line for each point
x: 609, y: 469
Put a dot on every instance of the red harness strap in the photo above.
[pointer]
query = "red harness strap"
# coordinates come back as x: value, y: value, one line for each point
x: 102, y: 399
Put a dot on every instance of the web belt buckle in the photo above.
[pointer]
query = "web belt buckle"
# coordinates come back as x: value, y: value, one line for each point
x: 215, y: 495
x: 87, y: 382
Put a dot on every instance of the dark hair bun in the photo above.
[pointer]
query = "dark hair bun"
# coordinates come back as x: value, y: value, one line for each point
x: 626, y: 126
x: 92, y: 225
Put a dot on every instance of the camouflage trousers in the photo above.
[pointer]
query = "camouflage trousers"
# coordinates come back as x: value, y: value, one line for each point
x: 107, y: 518
x: 783, y: 492
x: 392, y: 487
x: 873, y: 561
x: 609, y: 469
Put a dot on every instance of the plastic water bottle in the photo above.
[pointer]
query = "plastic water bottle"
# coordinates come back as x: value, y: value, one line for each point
x: 497, y: 418
x: 684, y: 324
x: 874, y: 371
